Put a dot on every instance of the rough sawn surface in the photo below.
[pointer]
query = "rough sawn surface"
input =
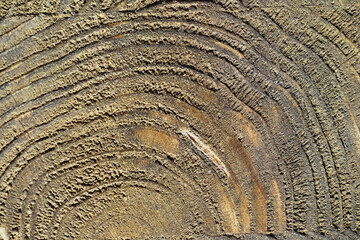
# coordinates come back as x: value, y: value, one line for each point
x: 179, y: 119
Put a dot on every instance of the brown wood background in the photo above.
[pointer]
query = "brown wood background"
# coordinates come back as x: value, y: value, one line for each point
x: 201, y: 119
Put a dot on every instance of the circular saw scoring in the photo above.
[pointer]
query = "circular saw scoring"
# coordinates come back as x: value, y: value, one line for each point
x: 176, y: 119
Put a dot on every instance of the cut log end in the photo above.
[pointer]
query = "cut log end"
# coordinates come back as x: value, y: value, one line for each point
x: 152, y: 119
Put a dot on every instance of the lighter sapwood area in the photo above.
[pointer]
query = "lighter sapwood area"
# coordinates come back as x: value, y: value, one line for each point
x: 179, y: 119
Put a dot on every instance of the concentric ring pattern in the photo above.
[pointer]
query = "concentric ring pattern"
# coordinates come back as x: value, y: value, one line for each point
x: 141, y: 119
